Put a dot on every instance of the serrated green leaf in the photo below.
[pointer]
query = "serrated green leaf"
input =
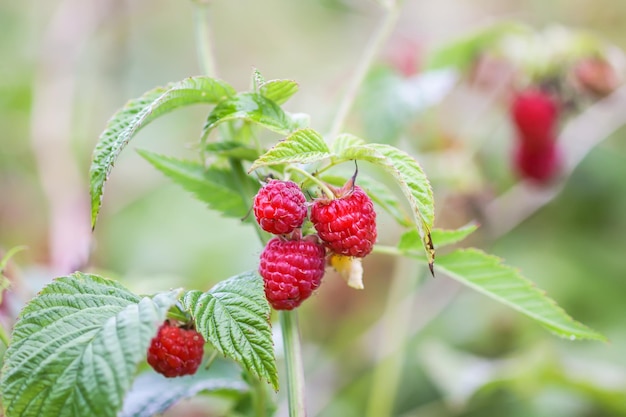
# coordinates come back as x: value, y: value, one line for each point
x: 151, y: 394
x: 302, y: 146
x: 410, y: 241
x: 257, y: 80
x: 251, y: 107
x: 488, y: 275
x: 279, y: 91
x: 234, y: 317
x: 461, y: 53
x: 232, y: 149
x: 344, y: 142
x: 412, y: 181
x: 214, y: 186
x: 76, y: 347
x: 379, y: 194
x: 138, y: 113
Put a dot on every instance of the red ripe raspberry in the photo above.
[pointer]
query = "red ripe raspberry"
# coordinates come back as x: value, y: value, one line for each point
x: 535, y: 114
x: 291, y: 271
x: 279, y: 207
x: 176, y: 351
x: 538, y: 165
x: 347, y: 224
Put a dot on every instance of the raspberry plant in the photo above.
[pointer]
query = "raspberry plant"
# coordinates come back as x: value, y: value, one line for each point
x: 80, y: 347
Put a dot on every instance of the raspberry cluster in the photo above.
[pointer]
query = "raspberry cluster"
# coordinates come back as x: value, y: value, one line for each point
x: 535, y: 115
x: 292, y: 266
x: 176, y: 351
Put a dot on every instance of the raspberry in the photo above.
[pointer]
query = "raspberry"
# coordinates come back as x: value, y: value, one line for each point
x: 347, y: 224
x: 279, y: 207
x: 596, y: 76
x: 176, y: 351
x: 538, y: 164
x: 535, y: 114
x: 291, y: 271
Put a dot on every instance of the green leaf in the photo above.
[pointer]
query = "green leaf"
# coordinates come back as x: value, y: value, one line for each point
x: 214, y: 186
x: 138, y: 113
x: 234, y: 317
x: 251, y: 107
x: 76, y: 347
x: 232, y: 149
x: 487, y: 274
x: 412, y: 181
x: 257, y: 80
x: 152, y: 394
x: 302, y: 146
x: 279, y: 91
x: 410, y: 241
x: 4, y: 281
x: 461, y: 53
x: 345, y: 141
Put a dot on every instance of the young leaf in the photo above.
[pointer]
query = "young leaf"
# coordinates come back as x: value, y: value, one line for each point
x: 76, y: 347
x: 279, y: 91
x: 410, y: 241
x: 138, y: 113
x: 488, y: 275
x: 214, y: 186
x: 234, y: 317
x: 302, y: 146
x: 151, y: 394
x: 344, y: 142
x: 4, y: 281
x: 251, y: 107
x: 412, y: 181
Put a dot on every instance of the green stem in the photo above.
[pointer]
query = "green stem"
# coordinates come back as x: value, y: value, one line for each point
x: 4, y: 337
x: 397, y: 320
x: 371, y: 50
x: 313, y: 179
x: 293, y: 363
x: 203, y: 38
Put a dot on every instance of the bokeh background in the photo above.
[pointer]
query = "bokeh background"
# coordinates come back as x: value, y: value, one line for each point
x: 67, y: 65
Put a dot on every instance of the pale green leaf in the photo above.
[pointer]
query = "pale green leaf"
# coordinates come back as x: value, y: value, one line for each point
x: 344, y: 142
x: 488, y: 275
x: 151, y: 394
x: 279, y: 91
x: 214, y: 186
x: 257, y: 79
x: 234, y: 317
x: 251, y: 107
x: 4, y: 281
x: 76, y: 347
x: 412, y: 181
x: 302, y: 146
x: 138, y: 113
x: 410, y: 241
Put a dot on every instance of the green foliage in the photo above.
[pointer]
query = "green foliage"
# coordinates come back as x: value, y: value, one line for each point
x: 151, y: 394
x: 213, y: 185
x: 232, y: 149
x: 234, y: 317
x: 488, y: 275
x: 4, y: 281
x: 76, y: 347
x: 279, y: 91
x: 410, y: 241
x: 255, y: 108
x: 138, y: 113
x: 302, y: 146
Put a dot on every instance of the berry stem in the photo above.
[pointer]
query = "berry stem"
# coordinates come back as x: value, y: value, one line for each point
x: 293, y: 362
x: 371, y: 50
x: 312, y: 178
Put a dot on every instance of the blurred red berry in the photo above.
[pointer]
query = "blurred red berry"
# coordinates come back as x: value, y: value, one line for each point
x: 279, y: 207
x: 535, y: 114
x: 176, y: 351
x: 539, y: 165
x: 291, y: 271
x: 347, y: 224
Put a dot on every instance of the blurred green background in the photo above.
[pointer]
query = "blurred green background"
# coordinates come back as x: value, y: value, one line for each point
x: 68, y: 65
